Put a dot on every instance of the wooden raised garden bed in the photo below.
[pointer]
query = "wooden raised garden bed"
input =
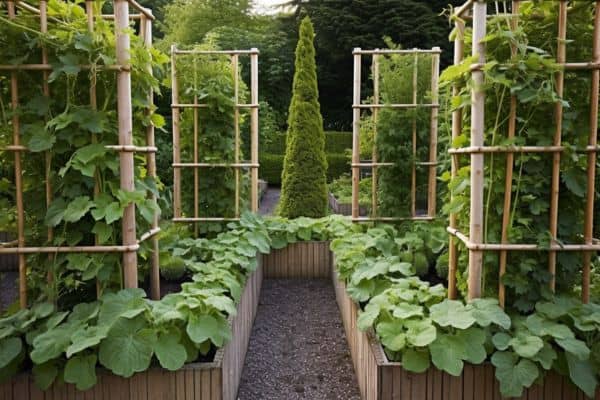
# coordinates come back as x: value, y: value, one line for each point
x: 307, y: 260
x: 380, y: 379
x: 338, y: 207
x: 216, y: 380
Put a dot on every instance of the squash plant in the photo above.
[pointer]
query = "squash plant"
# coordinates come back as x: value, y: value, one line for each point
x: 530, y: 76
x: 74, y: 135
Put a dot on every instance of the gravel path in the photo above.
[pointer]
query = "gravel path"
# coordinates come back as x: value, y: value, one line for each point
x: 298, y: 348
x: 269, y: 201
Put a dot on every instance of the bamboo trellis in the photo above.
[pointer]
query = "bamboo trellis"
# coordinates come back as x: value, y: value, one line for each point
x: 357, y: 106
x: 130, y: 243
x: 476, y: 10
x: 238, y: 164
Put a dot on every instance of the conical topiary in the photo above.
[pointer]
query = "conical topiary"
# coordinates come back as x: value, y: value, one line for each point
x: 304, y: 177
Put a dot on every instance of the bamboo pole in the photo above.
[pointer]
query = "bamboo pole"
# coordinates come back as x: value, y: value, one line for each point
x: 121, y: 8
x: 196, y: 160
x: 151, y: 165
x: 176, y: 135
x: 393, y: 219
x: 591, y: 161
x: 456, y: 131
x: 400, y: 106
x: 558, y: 117
x: 47, y: 155
x: 356, y: 135
x: 70, y: 249
x: 252, y: 51
x: 477, y: 160
x: 375, y: 111
x: 254, y: 128
x: 14, y: 92
x: 435, y: 50
x: 433, y: 138
x: 89, y: 7
x: 214, y: 165
x: 236, y: 123
x: 413, y: 181
x: 512, y: 127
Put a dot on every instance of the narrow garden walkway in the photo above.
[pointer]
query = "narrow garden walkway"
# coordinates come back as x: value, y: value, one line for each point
x: 269, y: 201
x: 298, y: 349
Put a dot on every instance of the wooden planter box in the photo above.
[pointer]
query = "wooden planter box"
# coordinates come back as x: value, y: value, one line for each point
x: 380, y: 379
x: 344, y: 208
x: 217, y: 380
x: 308, y: 260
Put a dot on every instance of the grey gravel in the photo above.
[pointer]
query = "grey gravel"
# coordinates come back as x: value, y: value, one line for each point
x: 269, y: 201
x: 298, y: 348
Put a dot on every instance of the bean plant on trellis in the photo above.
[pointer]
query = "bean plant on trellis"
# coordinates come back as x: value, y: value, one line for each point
x: 403, y: 119
x: 61, y: 122
x: 532, y: 114
x: 209, y: 109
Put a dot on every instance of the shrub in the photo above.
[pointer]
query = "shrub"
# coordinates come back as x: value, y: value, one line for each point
x: 338, y: 142
x: 172, y: 268
x: 304, y: 188
x: 271, y: 166
x: 337, y: 165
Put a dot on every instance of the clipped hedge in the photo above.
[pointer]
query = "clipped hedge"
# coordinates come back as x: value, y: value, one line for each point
x: 271, y: 166
x: 270, y: 169
x: 335, y: 142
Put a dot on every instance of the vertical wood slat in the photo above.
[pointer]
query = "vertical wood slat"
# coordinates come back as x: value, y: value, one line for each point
x: 456, y: 131
x: 307, y: 260
x: 14, y: 95
x: 591, y: 161
x: 196, y: 112
x: 236, y: 124
x: 254, y: 129
x: 356, y: 134
x: 477, y: 160
x: 561, y: 54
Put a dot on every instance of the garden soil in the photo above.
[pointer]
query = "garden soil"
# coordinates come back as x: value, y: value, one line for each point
x: 298, y: 348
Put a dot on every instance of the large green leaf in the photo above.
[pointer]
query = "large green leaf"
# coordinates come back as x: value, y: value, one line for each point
x: 526, y: 345
x: 452, y: 313
x: 513, y: 375
x: 9, y: 350
x: 415, y: 360
x: 576, y: 347
x: 420, y: 333
x: 407, y: 310
x: 392, y: 335
x: 51, y: 344
x: 208, y: 327
x: 582, y: 374
x: 170, y: 352
x: 77, y: 209
x: 86, y: 337
x: 474, y: 340
x: 447, y: 353
x: 44, y: 374
x: 487, y: 311
x: 81, y: 371
x: 126, y: 303
x: 41, y: 140
x: 128, y: 348
x: 367, y: 317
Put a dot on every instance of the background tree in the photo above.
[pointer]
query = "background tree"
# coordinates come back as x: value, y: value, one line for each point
x: 304, y: 182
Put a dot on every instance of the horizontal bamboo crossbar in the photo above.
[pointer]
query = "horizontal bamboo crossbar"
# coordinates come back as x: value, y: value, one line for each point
x: 204, y: 219
x: 30, y: 8
x: 215, y: 165
x: 399, y: 106
x: 519, y: 246
x: 120, y: 148
x: 568, y: 66
x: 390, y: 164
x: 70, y: 249
x: 218, y: 52
x: 206, y: 106
x: 393, y: 51
x: 151, y: 233
x: 393, y: 219
x: 9, y: 244
x: 49, y: 67
x: 520, y: 149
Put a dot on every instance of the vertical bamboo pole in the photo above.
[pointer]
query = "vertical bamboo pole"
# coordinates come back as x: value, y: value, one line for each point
x: 196, y: 158
x: 236, y: 123
x: 512, y: 127
x: 151, y: 165
x: 477, y: 159
x: 176, y: 149
x: 47, y: 154
x: 14, y: 94
x: 433, y: 135
x: 413, y: 182
x: 121, y: 8
x: 89, y: 8
x: 375, y: 111
x: 558, y: 117
x: 356, y: 134
x: 459, y: 44
x: 591, y: 164
x: 254, y: 128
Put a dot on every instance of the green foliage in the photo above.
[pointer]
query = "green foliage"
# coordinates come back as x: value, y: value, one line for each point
x: 530, y: 77
x: 72, y: 134
x: 341, y: 188
x: 271, y: 167
x: 304, y: 189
